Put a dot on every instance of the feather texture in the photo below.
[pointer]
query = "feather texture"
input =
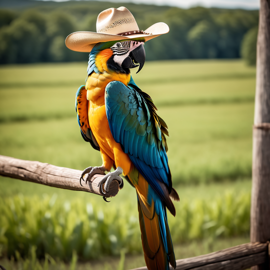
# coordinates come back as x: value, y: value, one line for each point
x: 132, y: 123
x: 155, y: 234
x: 135, y: 124
x: 81, y: 107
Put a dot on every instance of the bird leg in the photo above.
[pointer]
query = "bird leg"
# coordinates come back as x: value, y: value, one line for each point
x: 91, y: 171
x: 108, y: 178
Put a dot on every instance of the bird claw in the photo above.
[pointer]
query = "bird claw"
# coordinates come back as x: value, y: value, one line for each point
x: 105, y: 199
x: 91, y: 171
x: 108, y: 178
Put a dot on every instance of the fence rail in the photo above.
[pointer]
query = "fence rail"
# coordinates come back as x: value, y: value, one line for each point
x: 234, y: 258
x: 54, y: 176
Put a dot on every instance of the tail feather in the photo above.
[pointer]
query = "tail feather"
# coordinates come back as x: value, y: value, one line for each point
x: 155, y: 234
x: 174, y: 195
x: 154, y: 253
x: 156, y: 238
x: 170, y: 248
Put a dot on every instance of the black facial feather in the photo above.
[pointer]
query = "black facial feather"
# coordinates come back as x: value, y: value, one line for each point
x: 115, y: 67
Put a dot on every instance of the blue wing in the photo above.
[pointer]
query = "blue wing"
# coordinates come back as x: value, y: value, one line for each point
x: 140, y: 131
x: 81, y: 107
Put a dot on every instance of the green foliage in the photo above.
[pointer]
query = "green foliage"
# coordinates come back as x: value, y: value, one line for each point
x: 60, y: 24
x: 22, y: 43
x: 6, y: 17
x: 249, y: 44
x: 57, y: 49
x: 48, y: 263
x: 58, y: 229
x: 194, y: 33
x: 122, y: 261
x: 36, y: 18
x: 202, y: 38
x: 28, y: 41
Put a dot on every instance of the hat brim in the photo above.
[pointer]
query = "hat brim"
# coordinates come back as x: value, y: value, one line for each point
x: 84, y: 41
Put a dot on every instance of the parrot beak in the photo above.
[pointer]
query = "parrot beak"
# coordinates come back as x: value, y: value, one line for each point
x: 136, y: 56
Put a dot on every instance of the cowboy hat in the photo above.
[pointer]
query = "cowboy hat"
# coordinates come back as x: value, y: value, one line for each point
x: 113, y: 24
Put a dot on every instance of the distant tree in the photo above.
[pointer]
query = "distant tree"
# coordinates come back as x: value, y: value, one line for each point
x: 89, y: 24
x: 8, y: 49
x: 248, y: 47
x: 196, y: 14
x: 57, y: 49
x: 20, y: 43
x: 176, y: 39
x: 59, y: 26
x: 202, y: 40
x: 6, y: 17
x: 28, y: 41
x: 174, y: 44
x: 38, y: 34
x: 60, y: 23
x: 36, y: 18
x: 232, y: 26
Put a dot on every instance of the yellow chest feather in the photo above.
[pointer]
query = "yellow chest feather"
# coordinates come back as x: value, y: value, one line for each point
x: 98, y: 121
x: 96, y: 84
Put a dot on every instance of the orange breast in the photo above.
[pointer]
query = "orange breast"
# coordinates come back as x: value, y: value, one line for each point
x: 95, y: 86
x: 101, y: 129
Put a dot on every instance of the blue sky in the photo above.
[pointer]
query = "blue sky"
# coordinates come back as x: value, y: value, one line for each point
x: 247, y: 4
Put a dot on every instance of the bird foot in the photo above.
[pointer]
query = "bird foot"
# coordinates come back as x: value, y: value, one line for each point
x: 91, y: 171
x: 108, y: 178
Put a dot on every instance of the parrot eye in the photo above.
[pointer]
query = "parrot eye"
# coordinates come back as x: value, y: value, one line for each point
x: 117, y: 45
x: 120, y: 48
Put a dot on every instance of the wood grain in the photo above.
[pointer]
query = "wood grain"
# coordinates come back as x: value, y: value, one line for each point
x: 260, y: 203
x: 50, y: 175
x: 234, y: 258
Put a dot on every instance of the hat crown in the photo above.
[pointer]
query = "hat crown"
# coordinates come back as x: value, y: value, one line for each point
x: 115, y: 21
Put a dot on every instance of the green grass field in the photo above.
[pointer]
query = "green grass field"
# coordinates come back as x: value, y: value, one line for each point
x: 208, y: 106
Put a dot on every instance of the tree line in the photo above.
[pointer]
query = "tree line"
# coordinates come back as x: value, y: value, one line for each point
x: 37, y: 34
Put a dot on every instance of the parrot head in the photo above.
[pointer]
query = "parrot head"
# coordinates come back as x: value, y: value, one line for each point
x: 118, y: 56
x: 128, y: 54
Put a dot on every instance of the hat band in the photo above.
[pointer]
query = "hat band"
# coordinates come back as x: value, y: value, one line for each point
x: 135, y: 32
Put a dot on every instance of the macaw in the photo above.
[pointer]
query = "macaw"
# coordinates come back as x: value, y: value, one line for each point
x: 120, y: 120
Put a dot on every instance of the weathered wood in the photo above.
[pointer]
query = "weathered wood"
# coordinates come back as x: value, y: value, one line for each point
x: 234, y: 264
x: 50, y: 175
x: 234, y: 258
x: 260, y: 205
x: 262, y: 101
x: 268, y: 256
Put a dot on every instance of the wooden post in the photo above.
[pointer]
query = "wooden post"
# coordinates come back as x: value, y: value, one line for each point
x: 260, y: 205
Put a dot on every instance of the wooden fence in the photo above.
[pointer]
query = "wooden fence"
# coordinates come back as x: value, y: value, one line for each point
x: 235, y: 258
